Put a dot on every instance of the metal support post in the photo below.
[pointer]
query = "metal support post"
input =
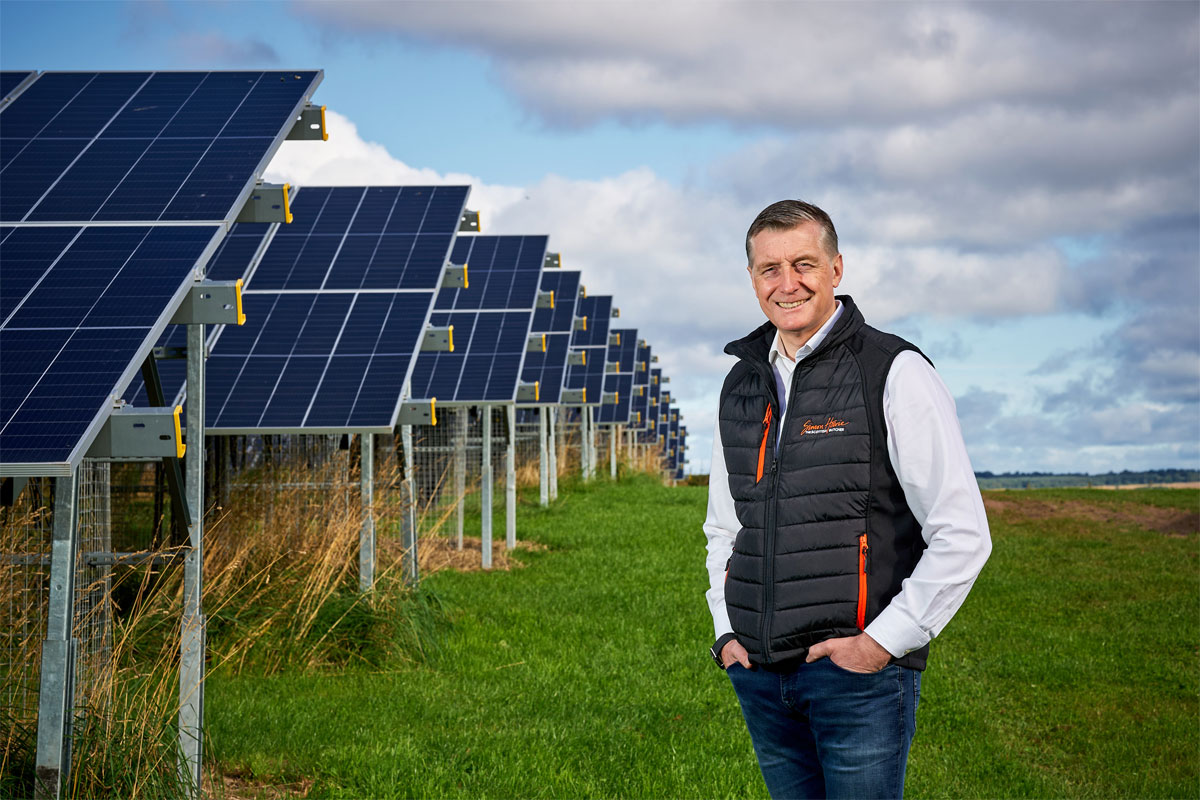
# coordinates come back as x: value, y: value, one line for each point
x: 366, y: 536
x: 460, y: 470
x: 553, y: 447
x: 409, y: 519
x: 614, y: 434
x: 192, y: 642
x: 543, y: 457
x: 510, y: 479
x: 591, y: 435
x: 485, y: 489
x: 56, y: 698
x: 585, y: 458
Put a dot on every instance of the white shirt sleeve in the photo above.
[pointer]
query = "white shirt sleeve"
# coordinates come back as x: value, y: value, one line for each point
x: 721, y: 527
x: 927, y: 452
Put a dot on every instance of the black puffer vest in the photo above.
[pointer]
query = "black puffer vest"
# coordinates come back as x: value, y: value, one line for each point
x: 827, y: 537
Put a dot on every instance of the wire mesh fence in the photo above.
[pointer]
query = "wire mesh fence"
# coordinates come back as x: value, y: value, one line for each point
x: 26, y: 533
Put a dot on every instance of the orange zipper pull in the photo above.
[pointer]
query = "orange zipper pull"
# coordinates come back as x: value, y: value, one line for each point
x: 762, y: 448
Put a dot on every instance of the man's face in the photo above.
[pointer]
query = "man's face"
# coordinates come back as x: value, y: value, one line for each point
x: 794, y: 278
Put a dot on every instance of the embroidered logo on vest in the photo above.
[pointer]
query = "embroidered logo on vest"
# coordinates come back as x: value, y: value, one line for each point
x: 830, y: 425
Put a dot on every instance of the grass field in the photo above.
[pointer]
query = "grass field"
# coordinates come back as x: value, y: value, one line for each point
x: 1072, y: 671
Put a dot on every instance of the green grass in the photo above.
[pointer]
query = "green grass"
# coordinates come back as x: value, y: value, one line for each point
x: 1072, y: 671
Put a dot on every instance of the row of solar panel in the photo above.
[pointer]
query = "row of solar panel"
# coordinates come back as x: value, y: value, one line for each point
x: 337, y: 301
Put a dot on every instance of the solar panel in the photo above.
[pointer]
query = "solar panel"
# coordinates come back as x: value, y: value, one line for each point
x: 653, y: 411
x: 491, y: 328
x: 336, y: 305
x: 618, y: 385
x: 549, y: 368
x: 141, y: 147
x: 12, y: 80
x: 639, y: 409
x: 81, y: 307
x: 593, y: 342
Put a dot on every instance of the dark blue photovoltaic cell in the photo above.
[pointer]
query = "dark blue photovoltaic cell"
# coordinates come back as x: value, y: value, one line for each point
x: 641, y: 366
x: 548, y: 369
x: 315, y: 360
x: 236, y: 250
x: 24, y: 251
x: 141, y: 146
x: 486, y: 363
x: 561, y: 318
x: 623, y: 353
x: 379, y: 237
x: 620, y: 384
x: 588, y: 376
x: 89, y: 313
x: 10, y: 80
x: 598, y: 310
x: 503, y: 272
x: 113, y: 276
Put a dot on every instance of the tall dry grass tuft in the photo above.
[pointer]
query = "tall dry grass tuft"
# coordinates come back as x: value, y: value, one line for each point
x: 281, y: 593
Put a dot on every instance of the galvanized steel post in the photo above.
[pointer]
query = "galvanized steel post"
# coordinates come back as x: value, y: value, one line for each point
x: 366, y: 536
x: 553, y: 447
x: 409, y: 533
x: 56, y: 697
x: 543, y: 457
x: 614, y: 434
x: 193, y: 632
x: 460, y: 471
x: 485, y: 490
x: 510, y: 479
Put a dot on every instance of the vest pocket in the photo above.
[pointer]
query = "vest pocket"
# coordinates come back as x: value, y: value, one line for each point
x: 863, y: 552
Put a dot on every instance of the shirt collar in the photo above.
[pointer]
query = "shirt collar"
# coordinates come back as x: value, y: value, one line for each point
x: 812, y: 344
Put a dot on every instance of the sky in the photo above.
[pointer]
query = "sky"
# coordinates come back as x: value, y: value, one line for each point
x: 1016, y: 186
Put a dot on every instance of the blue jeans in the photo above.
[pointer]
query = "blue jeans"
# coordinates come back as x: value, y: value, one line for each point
x: 822, y: 731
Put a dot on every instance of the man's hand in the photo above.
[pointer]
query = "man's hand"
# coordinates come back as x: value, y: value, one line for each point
x: 858, y: 653
x: 733, y: 653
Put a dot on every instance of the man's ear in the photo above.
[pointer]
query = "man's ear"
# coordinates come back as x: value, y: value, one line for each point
x: 837, y: 270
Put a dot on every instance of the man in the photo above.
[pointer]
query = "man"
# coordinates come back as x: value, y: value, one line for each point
x: 845, y: 526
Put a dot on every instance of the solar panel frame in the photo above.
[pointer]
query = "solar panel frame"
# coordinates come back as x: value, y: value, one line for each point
x: 549, y: 369
x: 593, y: 342
x: 87, y: 431
x: 257, y: 277
x: 514, y: 303
x: 278, y: 125
x: 619, y: 382
x: 13, y: 82
x: 314, y: 78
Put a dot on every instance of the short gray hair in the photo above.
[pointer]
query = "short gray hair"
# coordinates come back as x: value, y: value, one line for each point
x: 786, y: 215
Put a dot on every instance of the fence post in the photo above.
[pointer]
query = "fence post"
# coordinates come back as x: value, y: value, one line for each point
x: 56, y: 696
x: 510, y: 479
x: 543, y: 457
x: 192, y: 641
x: 366, y: 536
x: 614, y: 434
x: 409, y: 532
x: 485, y: 490
x: 553, y: 447
x: 585, y: 457
x: 460, y: 468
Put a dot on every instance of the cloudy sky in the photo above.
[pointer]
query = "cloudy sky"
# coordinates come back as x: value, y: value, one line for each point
x: 1016, y: 186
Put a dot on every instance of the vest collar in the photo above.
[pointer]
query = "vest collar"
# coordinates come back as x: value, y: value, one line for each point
x: 757, y: 345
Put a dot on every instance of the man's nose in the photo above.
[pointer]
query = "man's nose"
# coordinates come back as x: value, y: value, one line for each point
x: 789, y: 281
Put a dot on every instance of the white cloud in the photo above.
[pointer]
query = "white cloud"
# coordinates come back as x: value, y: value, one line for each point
x: 801, y: 63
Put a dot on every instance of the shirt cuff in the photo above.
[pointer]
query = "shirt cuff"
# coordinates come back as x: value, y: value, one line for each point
x: 896, y: 633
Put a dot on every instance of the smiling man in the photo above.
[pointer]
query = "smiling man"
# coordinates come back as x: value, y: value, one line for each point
x: 845, y: 526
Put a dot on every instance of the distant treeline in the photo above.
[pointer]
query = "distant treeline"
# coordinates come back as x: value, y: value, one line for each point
x: 1047, y: 480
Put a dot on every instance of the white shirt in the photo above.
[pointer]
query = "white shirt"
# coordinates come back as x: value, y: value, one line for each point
x: 926, y: 450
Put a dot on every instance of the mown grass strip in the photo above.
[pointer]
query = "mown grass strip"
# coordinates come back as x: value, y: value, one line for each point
x: 1071, y: 672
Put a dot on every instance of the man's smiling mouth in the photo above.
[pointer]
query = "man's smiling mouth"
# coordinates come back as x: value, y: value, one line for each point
x: 791, y: 305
